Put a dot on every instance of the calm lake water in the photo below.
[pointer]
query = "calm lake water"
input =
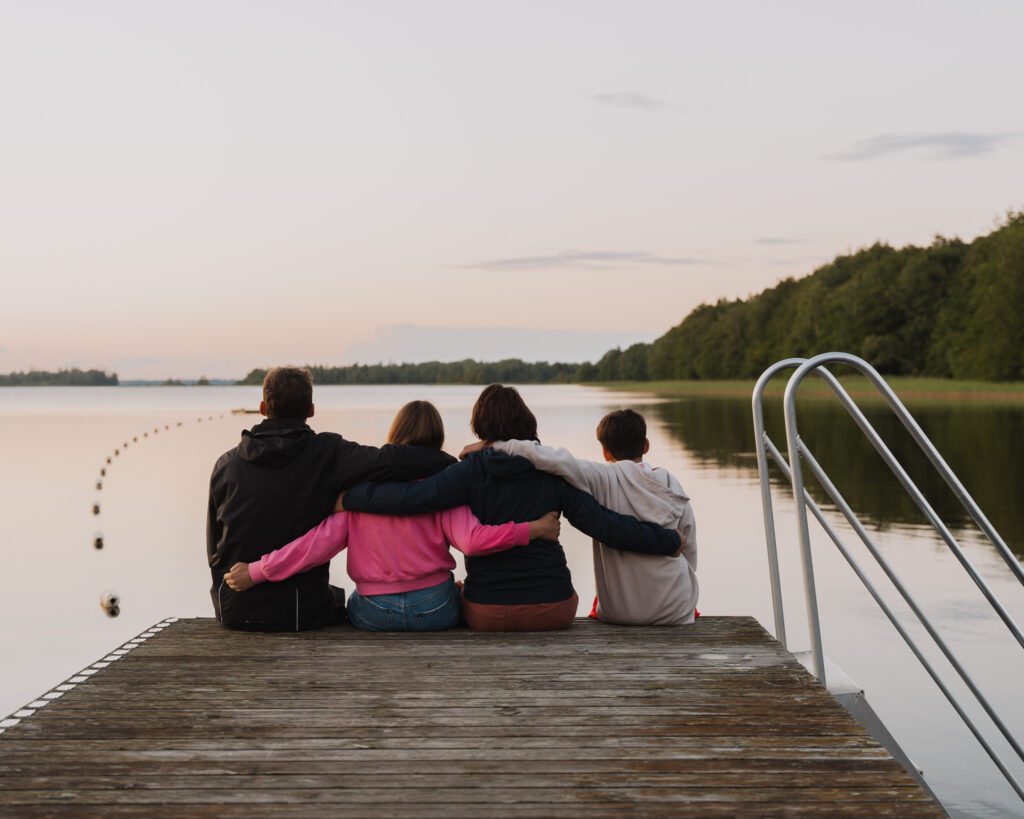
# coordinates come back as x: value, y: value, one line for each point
x: 153, y: 501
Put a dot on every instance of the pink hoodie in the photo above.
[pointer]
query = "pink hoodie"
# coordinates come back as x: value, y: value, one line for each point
x: 391, y: 555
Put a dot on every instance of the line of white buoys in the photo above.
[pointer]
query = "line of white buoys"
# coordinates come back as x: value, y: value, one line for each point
x: 82, y: 676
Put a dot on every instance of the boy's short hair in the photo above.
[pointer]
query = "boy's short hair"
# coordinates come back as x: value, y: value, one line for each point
x: 623, y: 433
x: 288, y: 392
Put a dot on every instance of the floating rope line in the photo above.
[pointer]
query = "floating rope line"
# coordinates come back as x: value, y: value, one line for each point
x: 113, y: 609
x: 82, y: 676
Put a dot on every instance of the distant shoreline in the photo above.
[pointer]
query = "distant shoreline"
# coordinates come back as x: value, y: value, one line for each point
x: 912, y: 390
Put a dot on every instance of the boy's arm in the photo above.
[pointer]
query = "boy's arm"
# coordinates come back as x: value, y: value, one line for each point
x: 442, y: 491
x: 622, y: 532
x: 585, y: 475
x: 314, y: 548
x: 471, y: 537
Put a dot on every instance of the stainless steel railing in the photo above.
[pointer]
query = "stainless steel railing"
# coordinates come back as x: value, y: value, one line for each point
x: 798, y: 454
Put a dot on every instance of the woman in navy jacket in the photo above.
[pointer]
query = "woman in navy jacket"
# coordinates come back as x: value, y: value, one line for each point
x: 524, y: 589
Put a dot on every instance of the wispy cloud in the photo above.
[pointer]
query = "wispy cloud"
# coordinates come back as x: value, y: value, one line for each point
x: 631, y: 99
x: 584, y: 260
x: 948, y: 145
x: 776, y: 240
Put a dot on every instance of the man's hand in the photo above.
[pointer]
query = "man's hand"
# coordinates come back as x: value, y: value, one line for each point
x: 238, y: 578
x: 339, y: 504
x: 548, y: 527
x: 469, y: 449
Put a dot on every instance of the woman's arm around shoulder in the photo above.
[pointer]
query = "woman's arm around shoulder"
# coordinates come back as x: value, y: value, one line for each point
x: 622, y: 532
x: 445, y: 490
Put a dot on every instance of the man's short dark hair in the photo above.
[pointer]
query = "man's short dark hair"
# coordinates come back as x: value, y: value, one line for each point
x: 288, y: 392
x: 623, y: 433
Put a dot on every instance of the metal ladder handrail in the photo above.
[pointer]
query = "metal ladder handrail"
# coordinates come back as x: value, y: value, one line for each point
x: 794, y: 473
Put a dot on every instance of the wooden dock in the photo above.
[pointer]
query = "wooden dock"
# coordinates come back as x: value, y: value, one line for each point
x: 192, y: 720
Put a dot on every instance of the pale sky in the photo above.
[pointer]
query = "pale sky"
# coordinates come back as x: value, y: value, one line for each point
x: 207, y: 187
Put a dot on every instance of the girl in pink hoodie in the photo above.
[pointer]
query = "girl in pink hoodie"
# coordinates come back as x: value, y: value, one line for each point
x: 401, y: 565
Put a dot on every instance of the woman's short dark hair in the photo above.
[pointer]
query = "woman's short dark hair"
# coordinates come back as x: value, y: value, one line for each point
x: 500, y: 414
x: 288, y: 392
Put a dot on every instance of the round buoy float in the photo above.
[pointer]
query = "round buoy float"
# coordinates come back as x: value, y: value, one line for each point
x: 134, y: 438
x: 111, y: 604
x: 96, y: 508
x: 108, y: 459
x: 117, y: 452
x: 145, y: 434
x: 99, y: 484
x: 103, y: 471
x: 179, y: 423
x: 97, y: 541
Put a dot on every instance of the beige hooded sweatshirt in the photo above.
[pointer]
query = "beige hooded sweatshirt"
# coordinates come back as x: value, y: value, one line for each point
x: 632, y: 589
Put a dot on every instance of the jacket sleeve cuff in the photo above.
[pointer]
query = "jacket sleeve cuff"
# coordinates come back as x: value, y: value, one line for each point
x: 256, y: 573
x: 521, y: 533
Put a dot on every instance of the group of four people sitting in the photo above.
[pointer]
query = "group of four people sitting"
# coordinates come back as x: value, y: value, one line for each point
x: 286, y: 500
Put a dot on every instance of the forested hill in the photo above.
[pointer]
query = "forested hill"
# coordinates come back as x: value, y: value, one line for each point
x: 61, y: 378
x: 952, y: 309
x: 511, y: 370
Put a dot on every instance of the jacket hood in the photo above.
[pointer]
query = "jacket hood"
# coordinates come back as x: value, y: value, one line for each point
x: 653, y: 493
x: 274, y: 442
x: 503, y: 465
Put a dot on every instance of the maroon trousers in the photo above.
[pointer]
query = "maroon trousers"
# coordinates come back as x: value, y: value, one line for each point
x: 533, y: 617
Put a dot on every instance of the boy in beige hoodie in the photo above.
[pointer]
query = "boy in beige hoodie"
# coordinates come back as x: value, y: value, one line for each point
x: 632, y: 589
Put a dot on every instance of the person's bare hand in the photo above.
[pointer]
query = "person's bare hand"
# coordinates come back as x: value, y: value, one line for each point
x: 469, y: 449
x: 238, y: 578
x: 339, y: 504
x: 548, y: 527
x: 682, y: 544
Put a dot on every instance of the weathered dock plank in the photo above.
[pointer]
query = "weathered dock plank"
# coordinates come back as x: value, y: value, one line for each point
x: 190, y: 719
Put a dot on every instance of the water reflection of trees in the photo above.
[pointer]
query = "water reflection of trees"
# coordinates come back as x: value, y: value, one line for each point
x: 982, y: 443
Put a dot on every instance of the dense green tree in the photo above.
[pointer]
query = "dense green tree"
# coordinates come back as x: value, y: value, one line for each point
x: 951, y: 309
x: 62, y: 378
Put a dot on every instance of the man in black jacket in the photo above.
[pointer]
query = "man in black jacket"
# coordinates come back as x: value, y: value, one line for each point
x: 279, y: 482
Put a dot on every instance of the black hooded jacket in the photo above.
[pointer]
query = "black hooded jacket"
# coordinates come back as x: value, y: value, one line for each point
x: 501, y: 488
x: 277, y: 484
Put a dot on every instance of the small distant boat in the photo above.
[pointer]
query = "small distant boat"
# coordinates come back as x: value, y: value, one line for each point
x: 244, y: 411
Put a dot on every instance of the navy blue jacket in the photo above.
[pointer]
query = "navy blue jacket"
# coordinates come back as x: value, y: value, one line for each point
x: 501, y: 488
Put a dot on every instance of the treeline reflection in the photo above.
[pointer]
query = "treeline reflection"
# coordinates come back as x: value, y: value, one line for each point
x: 982, y: 443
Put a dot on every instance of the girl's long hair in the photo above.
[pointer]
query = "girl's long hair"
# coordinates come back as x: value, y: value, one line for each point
x: 418, y: 423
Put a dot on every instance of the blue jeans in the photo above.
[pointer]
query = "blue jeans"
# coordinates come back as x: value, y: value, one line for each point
x: 432, y: 609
